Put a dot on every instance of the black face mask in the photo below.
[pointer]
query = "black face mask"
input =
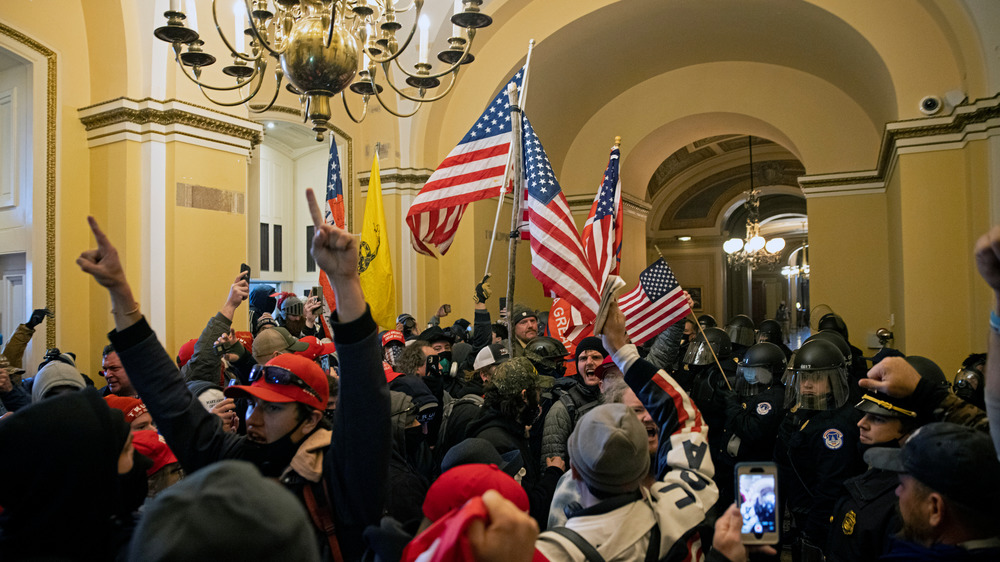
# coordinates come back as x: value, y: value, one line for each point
x: 274, y: 457
x: 414, y: 437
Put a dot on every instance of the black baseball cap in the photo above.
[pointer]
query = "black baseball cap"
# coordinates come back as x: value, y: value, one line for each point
x: 954, y: 460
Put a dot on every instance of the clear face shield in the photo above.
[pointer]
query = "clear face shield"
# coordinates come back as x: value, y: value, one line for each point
x: 741, y: 335
x: 824, y: 389
x: 699, y: 352
x: 752, y: 380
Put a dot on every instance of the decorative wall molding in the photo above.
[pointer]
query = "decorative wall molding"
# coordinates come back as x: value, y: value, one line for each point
x: 51, y: 108
x: 210, y: 198
x: 968, y: 122
x: 632, y: 206
x: 170, y: 121
x: 396, y: 180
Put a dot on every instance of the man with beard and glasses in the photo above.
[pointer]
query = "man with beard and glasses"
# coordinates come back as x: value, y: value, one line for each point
x: 949, y: 489
x: 510, y: 407
x: 339, y: 475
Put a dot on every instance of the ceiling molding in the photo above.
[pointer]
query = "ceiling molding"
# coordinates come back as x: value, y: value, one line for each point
x: 968, y: 122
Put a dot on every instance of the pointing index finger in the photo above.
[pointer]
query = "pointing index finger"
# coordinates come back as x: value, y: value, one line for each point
x: 317, y: 216
x: 99, y: 235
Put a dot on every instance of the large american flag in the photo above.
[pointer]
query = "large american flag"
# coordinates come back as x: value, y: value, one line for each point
x: 472, y: 171
x: 557, y: 257
x: 602, y: 233
x: 655, y: 304
x: 333, y: 215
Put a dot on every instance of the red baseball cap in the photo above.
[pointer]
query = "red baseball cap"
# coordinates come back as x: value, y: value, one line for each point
x: 453, y: 488
x: 306, y: 370
x: 393, y: 335
x: 605, y: 366
x: 185, y: 353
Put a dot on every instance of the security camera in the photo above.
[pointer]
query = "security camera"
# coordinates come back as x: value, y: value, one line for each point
x: 930, y: 105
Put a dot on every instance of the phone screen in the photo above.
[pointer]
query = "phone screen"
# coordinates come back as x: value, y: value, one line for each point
x: 758, y: 503
x: 503, y: 303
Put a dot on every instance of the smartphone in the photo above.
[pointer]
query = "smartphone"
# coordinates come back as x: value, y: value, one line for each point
x: 324, y: 363
x: 317, y: 292
x: 246, y: 268
x: 433, y: 367
x: 757, y: 499
x: 503, y: 303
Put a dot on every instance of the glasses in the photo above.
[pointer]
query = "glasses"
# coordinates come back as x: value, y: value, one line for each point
x: 280, y: 375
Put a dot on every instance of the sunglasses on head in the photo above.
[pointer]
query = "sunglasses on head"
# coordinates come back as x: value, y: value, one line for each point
x: 280, y: 375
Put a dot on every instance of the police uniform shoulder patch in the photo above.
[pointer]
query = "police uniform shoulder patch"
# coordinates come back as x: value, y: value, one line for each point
x: 833, y: 439
x: 764, y: 408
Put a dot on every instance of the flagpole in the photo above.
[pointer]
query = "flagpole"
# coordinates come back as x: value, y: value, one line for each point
x: 510, y: 155
x: 702, y: 330
x: 515, y: 216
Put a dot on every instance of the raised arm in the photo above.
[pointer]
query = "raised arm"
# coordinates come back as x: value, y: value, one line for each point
x: 358, y: 460
x: 988, y: 262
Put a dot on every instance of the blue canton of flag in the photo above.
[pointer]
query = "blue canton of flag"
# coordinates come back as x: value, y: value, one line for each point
x: 657, y: 280
x: 606, y: 198
x: 334, y: 189
x: 656, y: 304
x: 541, y: 181
x: 495, y: 120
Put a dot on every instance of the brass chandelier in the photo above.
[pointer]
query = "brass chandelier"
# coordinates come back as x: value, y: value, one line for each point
x: 753, y: 251
x: 323, y: 47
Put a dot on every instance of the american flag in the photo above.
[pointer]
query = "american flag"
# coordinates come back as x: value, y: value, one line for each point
x: 602, y: 233
x: 557, y: 257
x: 472, y: 171
x: 655, y: 304
x: 334, y: 215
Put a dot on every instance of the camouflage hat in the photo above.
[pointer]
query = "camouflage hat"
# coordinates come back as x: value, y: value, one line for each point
x: 516, y: 375
x: 521, y: 312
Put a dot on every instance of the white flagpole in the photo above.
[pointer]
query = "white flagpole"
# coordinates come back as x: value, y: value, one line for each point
x: 507, y: 169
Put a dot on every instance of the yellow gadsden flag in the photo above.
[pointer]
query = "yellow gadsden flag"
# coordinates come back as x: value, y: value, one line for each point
x: 375, y: 262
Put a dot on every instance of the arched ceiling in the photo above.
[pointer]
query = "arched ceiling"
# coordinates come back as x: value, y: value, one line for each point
x: 820, y: 78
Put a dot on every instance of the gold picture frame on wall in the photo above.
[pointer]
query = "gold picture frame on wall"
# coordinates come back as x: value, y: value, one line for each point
x: 695, y: 293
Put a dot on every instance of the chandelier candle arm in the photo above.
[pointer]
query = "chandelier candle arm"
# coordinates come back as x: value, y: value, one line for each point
x: 260, y: 82
x: 202, y: 86
x: 278, y: 77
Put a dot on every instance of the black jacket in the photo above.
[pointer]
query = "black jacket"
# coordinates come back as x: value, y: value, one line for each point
x: 866, y: 518
x: 356, y: 464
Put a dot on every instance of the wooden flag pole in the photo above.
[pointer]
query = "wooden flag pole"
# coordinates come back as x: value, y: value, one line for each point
x: 702, y: 330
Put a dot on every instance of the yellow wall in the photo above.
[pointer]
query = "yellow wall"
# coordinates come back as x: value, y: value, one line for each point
x: 943, y: 204
x: 848, y: 255
x: 206, y: 247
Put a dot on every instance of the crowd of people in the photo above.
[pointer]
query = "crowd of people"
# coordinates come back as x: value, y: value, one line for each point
x: 313, y: 438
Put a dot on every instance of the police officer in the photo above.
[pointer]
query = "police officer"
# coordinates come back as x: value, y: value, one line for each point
x: 857, y: 367
x: 853, y: 375
x: 753, y: 413
x: 742, y: 334
x: 816, y: 450
x: 770, y: 331
x: 865, y: 519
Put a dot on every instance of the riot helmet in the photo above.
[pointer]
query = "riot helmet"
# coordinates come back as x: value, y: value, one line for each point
x: 836, y: 339
x: 762, y: 365
x: 770, y: 330
x: 818, y: 377
x: 707, y: 321
x: 831, y: 321
x: 741, y: 330
x: 699, y: 352
x: 547, y: 354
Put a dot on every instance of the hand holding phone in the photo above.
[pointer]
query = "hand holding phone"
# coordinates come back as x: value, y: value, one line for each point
x: 757, y: 500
